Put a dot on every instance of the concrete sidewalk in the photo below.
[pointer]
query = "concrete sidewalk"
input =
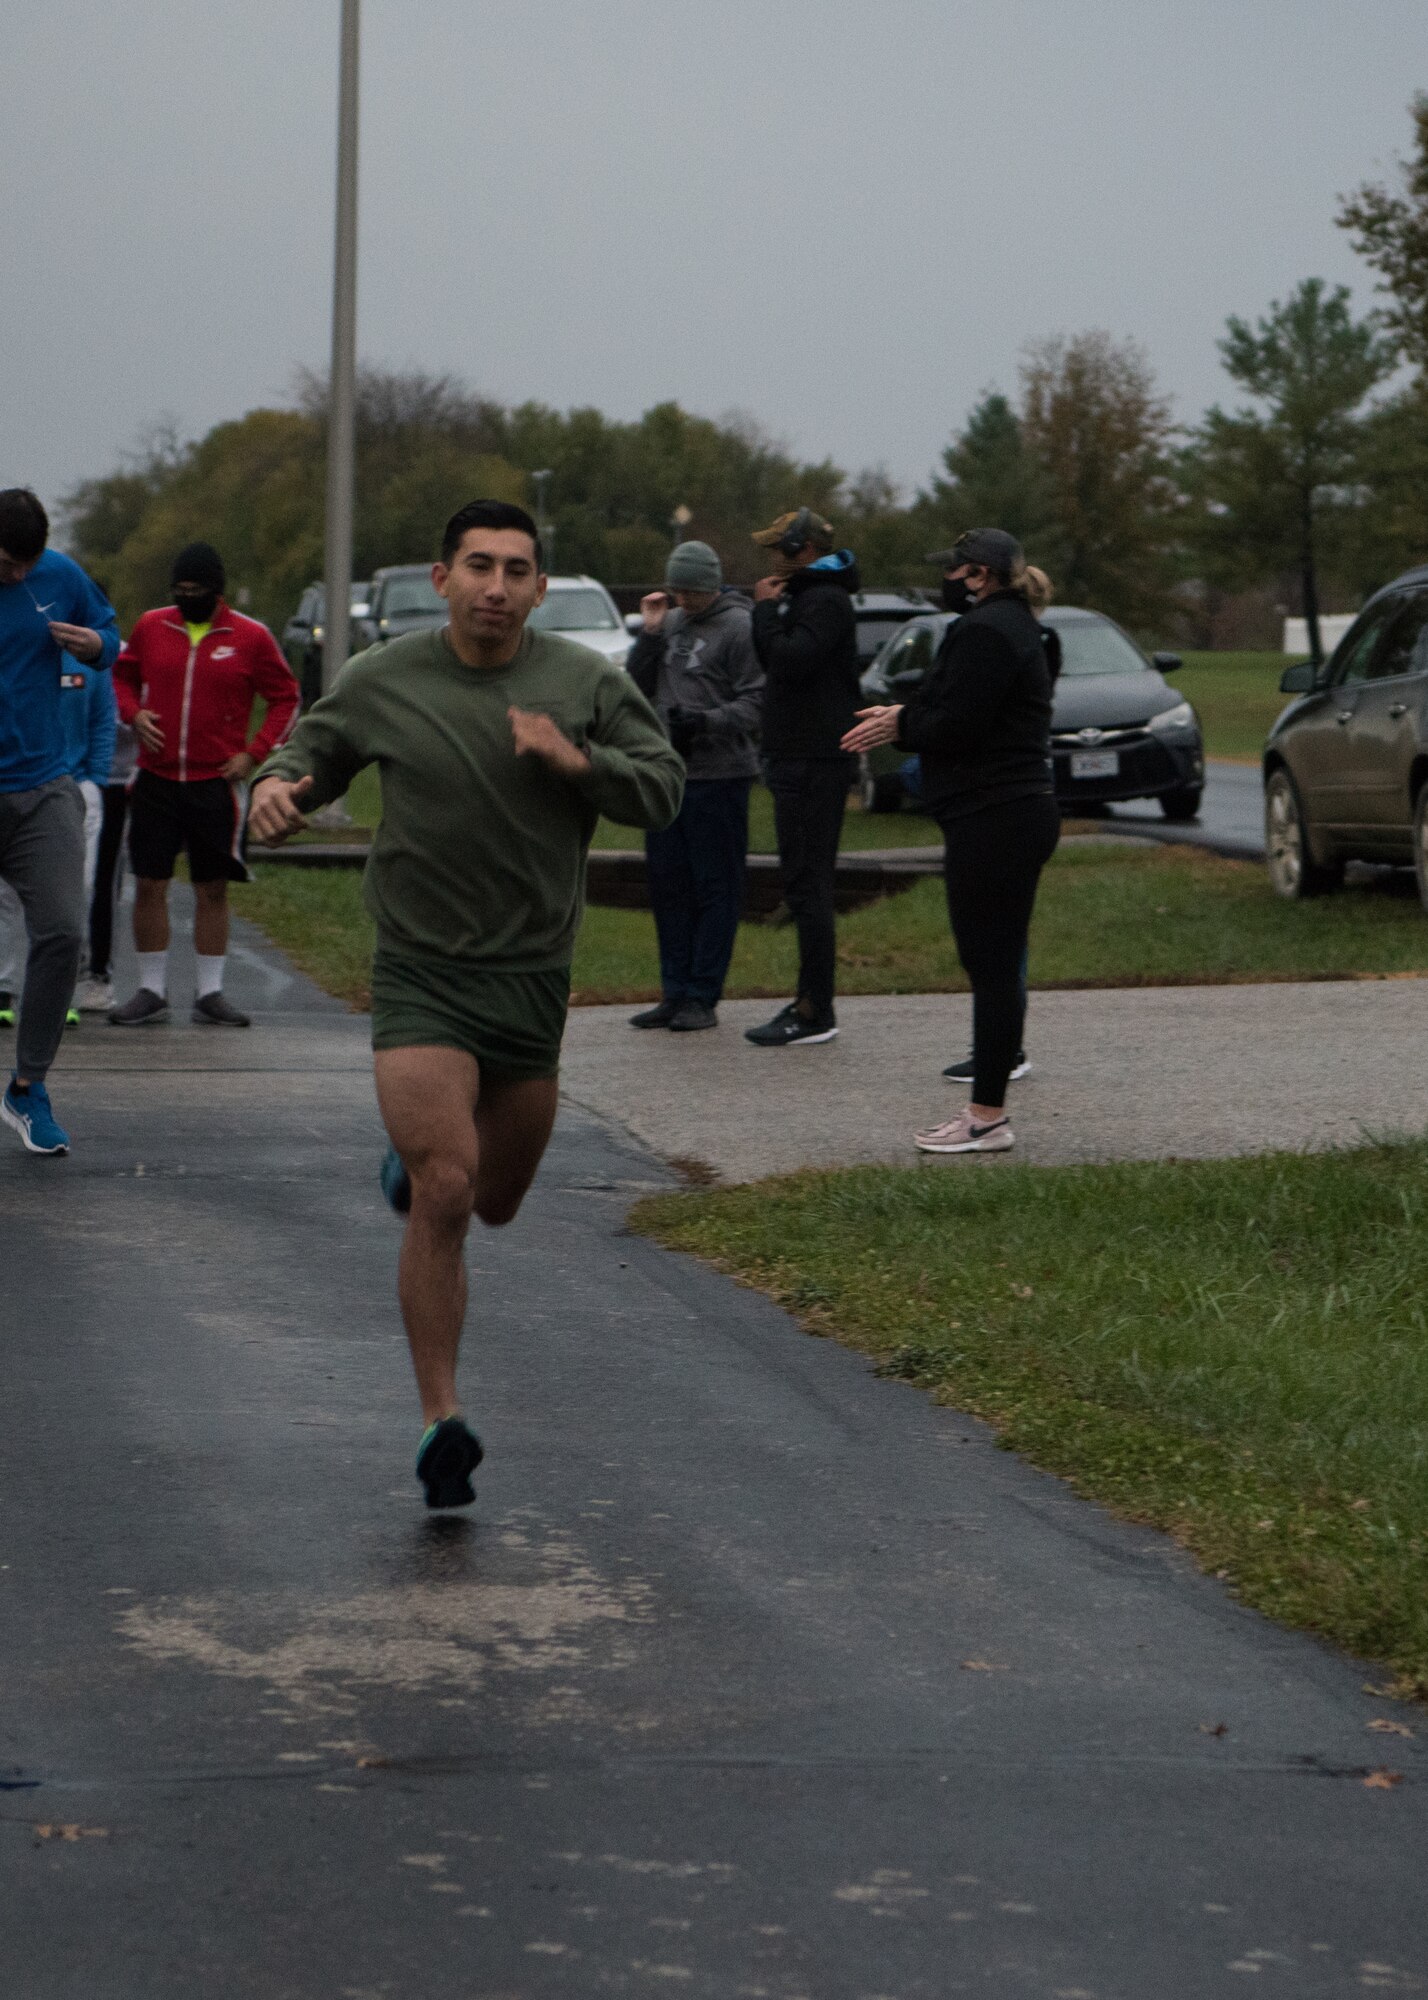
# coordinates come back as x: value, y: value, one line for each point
x: 1196, y: 1071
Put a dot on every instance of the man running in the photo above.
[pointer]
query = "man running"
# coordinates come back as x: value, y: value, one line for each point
x: 499, y: 748
x: 186, y: 682
x: 48, y: 609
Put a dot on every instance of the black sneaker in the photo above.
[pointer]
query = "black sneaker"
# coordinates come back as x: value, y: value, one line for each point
x: 450, y: 1452
x: 692, y: 1015
x: 657, y: 1017
x: 962, y: 1072
x: 789, y: 1027
x: 211, y: 1010
x: 145, y: 1007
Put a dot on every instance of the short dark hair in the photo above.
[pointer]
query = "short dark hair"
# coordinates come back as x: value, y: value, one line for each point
x: 24, y: 524
x: 488, y: 514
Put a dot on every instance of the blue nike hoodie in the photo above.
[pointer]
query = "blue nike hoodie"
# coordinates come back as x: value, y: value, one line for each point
x: 33, y: 747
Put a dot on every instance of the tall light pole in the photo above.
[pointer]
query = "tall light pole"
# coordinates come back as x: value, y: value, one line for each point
x: 541, y: 482
x: 341, y: 385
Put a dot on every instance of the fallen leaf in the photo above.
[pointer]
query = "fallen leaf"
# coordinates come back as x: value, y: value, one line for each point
x: 1022, y: 1291
x: 1382, y: 1781
x: 1386, y: 1728
x: 981, y: 1667
x: 1358, y: 1506
x: 1214, y: 1728
x: 71, y: 1832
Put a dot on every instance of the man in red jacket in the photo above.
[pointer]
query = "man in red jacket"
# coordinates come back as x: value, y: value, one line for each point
x: 186, y: 681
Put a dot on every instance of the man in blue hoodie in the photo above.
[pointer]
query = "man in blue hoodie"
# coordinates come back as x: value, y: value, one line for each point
x: 91, y: 720
x: 50, y: 612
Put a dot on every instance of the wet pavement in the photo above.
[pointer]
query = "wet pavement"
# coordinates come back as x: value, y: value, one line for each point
x: 750, y: 1674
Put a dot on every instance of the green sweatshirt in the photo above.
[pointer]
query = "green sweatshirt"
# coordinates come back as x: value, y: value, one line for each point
x: 481, y: 854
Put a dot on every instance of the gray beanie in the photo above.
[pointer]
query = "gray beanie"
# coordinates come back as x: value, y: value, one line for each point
x: 694, y: 566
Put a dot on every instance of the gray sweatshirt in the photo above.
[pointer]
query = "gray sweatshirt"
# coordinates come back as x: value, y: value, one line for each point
x: 707, y: 662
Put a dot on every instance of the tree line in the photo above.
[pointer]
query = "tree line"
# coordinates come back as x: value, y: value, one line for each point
x: 1309, y: 491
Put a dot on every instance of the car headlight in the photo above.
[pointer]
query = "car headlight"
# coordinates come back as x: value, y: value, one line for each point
x: 1174, y: 721
x: 317, y: 634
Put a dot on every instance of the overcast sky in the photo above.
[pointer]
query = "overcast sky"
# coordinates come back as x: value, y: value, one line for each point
x: 844, y: 217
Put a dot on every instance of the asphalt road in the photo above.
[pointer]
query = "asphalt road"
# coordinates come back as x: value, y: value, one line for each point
x: 750, y: 1674
x: 1231, y: 814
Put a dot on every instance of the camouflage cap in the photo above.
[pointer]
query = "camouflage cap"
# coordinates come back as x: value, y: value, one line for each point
x: 800, y: 524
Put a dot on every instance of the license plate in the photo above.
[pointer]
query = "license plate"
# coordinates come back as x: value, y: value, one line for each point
x: 1095, y: 763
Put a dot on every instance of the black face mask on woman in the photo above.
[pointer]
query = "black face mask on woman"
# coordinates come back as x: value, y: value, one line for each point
x: 955, y: 594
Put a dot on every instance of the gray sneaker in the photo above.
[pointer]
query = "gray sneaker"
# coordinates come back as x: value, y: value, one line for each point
x: 211, y: 1010
x: 145, y: 1008
x: 691, y: 1015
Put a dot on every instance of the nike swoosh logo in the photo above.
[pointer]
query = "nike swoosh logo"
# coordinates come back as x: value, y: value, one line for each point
x: 43, y: 608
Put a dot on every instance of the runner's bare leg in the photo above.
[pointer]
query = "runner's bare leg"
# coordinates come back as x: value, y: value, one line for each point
x: 468, y: 1148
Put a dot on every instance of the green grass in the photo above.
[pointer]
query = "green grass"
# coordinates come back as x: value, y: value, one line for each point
x: 1109, y: 914
x: 1237, y: 695
x: 1236, y: 1351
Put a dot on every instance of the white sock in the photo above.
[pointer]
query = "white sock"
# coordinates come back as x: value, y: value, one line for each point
x: 210, y: 974
x: 154, y: 971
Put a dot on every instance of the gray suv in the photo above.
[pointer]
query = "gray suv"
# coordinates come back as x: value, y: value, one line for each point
x: 1346, y: 765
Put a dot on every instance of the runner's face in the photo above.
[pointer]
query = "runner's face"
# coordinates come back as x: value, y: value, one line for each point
x: 12, y: 570
x: 492, y: 585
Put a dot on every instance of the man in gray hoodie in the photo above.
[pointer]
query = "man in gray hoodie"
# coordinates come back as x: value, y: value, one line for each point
x: 695, y: 661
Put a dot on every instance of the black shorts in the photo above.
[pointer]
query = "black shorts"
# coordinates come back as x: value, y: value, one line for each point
x: 206, y: 817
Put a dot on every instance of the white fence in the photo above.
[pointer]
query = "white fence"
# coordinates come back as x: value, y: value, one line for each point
x: 1332, y: 627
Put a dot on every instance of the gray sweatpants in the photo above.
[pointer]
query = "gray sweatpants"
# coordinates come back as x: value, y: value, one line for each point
x: 42, y: 858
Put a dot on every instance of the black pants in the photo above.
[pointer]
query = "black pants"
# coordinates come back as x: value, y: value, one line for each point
x: 993, y: 862
x: 695, y: 871
x: 810, y: 796
x: 108, y: 873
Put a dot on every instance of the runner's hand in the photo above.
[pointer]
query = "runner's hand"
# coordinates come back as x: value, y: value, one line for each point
x: 85, y: 644
x: 768, y: 588
x: 277, y: 810
x: 653, y: 609
x: 241, y: 766
x: 539, y: 736
x: 874, y: 727
x: 146, y: 728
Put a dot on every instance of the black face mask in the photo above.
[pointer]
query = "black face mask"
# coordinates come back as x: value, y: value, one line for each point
x: 197, y: 607
x: 955, y: 594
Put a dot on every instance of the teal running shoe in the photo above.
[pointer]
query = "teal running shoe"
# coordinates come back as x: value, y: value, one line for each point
x: 450, y: 1452
x: 28, y: 1112
x: 396, y: 1182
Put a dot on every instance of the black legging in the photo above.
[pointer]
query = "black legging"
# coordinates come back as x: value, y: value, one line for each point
x: 108, y: 867
x: 993, y: 862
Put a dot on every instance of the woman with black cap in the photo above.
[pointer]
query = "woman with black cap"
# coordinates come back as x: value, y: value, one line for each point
x: 981, y: 723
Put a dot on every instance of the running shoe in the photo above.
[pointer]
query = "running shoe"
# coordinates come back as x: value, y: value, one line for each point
x: 95, y: 996
x: 145, y: 1007
x: 211, y: 1010
x: 788, y: 1028
x: 71, y: 1017
x: 448, y: 1455
x: 656, y: 1017
x: 396, y: 1182
x: 691, y: 1016
x: 962, y: 1072
x: 963, y: 1134
x: 28, y: 1112
x: 7, y: 1010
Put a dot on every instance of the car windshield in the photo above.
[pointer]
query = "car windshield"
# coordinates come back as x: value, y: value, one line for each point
x: 574, y: 611
x: 874, y: 633
x: 411, y: 593
x: 1094, y: 646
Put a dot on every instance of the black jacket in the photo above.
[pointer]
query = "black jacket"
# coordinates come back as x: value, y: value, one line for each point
x: 807, y: 643
x: 981, y: 721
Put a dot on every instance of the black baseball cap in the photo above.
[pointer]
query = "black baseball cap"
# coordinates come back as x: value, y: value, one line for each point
x: 988, y: 548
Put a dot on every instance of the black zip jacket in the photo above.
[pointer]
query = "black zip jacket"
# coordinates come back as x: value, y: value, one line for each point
x: 807, y: 643
x: 981, y: 721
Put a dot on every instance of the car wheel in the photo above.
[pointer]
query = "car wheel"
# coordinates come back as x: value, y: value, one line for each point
x: 1420, y: 844
x: 878, y: 795
x: 1182, y: 805
x: 1293, y: 871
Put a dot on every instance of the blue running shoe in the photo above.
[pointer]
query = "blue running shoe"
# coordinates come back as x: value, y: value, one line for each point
x: 396, y: 1183
x: 450, y: 1452
x: 28, y: 1112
